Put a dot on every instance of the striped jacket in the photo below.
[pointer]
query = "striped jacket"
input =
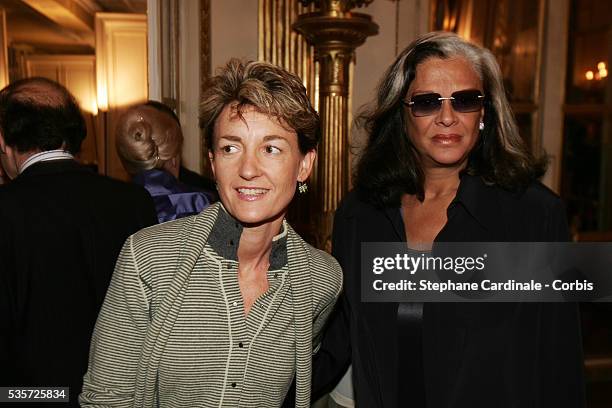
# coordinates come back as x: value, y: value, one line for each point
x: 144, y: 300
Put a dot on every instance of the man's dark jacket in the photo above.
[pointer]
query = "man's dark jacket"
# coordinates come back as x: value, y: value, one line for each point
x: 467, y: 355
x: 61, y: 229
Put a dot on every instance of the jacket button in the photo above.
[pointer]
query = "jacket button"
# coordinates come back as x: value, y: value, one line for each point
x: 240, y: 345
x: 233, y: 385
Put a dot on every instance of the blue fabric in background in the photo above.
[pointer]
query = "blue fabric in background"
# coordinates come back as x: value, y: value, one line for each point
x: 172, y: 198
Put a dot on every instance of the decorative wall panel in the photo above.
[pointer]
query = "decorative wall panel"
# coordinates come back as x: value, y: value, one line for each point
x: 121, y: 70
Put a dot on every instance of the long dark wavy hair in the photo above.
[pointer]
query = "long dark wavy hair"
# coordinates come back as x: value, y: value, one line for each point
x: 390, y: 165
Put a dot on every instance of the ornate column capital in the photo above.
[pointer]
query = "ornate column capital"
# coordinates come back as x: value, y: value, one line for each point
x: 335, y: 37
x: 343, y: 30
x: 336, y: 6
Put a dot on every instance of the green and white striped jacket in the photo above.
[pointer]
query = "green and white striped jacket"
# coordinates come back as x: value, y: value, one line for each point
x: 153, y: 281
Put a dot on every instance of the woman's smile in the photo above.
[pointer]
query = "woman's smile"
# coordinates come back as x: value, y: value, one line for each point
x: 447, y: 139
x: 251, y: 193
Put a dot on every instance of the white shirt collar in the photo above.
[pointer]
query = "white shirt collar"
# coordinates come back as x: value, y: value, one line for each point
x: 45, y: 156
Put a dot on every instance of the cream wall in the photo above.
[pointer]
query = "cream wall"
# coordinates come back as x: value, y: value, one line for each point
x: 233, y: 31
x: 373, y: 57
x: 399, y: 24
x: 189, y: 83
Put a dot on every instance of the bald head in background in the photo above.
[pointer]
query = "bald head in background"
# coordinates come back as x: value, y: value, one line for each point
x: 41, y: 92
x: 37, y: 115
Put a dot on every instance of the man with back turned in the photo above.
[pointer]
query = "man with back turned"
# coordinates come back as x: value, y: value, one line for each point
x: 61, y: 229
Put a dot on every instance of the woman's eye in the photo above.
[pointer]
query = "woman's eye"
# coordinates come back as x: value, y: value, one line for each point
x: 228, y: 149
x: 272, y: 149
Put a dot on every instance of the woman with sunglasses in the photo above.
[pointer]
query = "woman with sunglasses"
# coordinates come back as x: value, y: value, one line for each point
x: 445, y: 163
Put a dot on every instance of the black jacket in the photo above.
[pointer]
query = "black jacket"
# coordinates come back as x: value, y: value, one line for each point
x: 473, y: 354
x: 61, y: 229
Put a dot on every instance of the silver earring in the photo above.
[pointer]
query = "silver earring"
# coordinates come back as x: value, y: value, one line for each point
x: 302, y: 187
x: 481, y: 125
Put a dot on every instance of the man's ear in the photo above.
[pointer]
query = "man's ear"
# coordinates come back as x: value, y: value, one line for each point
x: 4, y: 148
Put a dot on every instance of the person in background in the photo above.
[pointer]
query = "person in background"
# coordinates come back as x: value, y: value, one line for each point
x: 193, y: 179
x: 61, y: 230
x: 445, y: 163
x: 226, y: 307
x: 149, y: 142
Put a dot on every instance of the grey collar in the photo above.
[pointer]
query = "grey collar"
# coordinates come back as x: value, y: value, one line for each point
x: 225, y: 237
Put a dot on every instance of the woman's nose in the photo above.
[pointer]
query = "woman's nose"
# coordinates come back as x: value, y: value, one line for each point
x: 447, y: 115
x: 249, y: 166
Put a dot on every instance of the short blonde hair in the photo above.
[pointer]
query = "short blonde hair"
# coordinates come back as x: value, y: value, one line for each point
x: 269, y: 89
x: 142, y: 144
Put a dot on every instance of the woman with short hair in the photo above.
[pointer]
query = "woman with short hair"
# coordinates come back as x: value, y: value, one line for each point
x: 224, y: 308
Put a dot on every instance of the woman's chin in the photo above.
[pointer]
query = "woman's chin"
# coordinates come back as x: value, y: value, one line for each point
x: 255, y: 218
x: 448, y: 161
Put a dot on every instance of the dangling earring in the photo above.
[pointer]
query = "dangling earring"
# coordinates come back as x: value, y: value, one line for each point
x: 481, y: 125
x: 302, y: 187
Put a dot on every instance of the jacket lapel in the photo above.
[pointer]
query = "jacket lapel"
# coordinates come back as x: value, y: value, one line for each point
x: 194, y: 238
x: 301, y: 288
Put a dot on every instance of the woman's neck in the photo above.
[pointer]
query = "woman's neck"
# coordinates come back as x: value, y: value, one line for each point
x: 256, y: 244
x: 440, y: 182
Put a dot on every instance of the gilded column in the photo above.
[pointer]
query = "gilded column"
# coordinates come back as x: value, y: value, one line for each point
x: 335, y: 32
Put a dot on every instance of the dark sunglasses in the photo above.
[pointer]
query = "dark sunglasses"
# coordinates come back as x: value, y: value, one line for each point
x: 462, y: 101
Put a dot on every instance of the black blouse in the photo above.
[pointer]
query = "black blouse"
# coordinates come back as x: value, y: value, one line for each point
x: 474, y: 354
